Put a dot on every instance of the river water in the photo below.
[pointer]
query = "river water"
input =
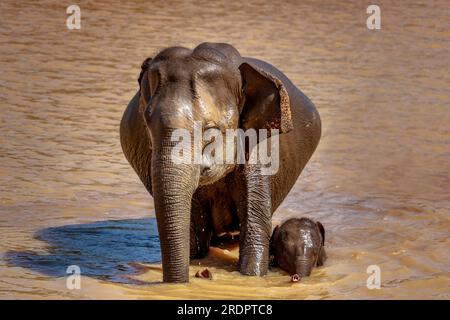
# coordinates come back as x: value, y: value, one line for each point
x: 379, y: 180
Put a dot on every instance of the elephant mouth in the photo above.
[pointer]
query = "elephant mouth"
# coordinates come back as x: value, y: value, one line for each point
x: 210, y: 171
x: 214, y: 173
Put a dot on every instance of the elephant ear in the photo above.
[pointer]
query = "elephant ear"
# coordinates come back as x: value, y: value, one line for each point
x: 322, y: 232
x: 266, y: 101
x: 144, y: 85
x: 272, y: 255
x: 322, y: 257
x: 322, y: 254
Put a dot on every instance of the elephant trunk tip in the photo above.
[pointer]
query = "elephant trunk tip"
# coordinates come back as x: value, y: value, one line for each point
x: 295, y: 278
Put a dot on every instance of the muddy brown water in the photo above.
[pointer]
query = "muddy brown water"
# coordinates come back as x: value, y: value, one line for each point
x: 379, y: 180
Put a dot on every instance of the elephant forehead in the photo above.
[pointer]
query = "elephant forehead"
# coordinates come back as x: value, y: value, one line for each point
x: 306, y: 238
x: 192, y: 67
x: 175, y: 70
x: 171, y: 53
x: 212, y: 103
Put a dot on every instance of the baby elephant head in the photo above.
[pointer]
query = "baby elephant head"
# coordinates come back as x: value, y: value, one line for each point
x: 297, y: 246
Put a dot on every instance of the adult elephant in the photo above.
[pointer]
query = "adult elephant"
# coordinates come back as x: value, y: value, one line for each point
x: 216, y: 87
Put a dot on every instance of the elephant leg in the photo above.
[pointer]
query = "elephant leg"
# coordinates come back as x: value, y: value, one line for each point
x: 255, y: 213
x: 200, y: 230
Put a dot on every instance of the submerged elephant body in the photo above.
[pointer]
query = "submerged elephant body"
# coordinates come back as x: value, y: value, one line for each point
x: 213, y: 85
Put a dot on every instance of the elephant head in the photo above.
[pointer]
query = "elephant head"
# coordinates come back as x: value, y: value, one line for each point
x: 179, y: 89
x: 297, y: 246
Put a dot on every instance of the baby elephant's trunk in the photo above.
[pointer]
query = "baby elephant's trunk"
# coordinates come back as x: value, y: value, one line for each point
x: 295, y: 278
x: 303, y: 268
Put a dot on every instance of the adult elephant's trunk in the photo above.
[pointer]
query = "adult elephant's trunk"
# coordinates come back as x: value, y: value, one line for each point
x: 173, y: 186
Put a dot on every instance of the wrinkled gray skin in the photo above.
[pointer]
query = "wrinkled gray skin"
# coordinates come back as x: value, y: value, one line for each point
x: 194, y: 203
x: 298, y: 245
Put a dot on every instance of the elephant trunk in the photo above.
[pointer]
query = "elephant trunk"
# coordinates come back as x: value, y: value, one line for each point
x: 173, y: 186
x: 303, y: 267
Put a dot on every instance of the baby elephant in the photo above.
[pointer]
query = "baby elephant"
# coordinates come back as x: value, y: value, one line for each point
x: 297, y: 246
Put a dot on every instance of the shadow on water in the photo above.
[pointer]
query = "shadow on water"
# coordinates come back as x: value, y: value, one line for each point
x: 106, y: 250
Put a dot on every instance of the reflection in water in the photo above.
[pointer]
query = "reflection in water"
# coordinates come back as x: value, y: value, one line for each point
x: 106, y: 250
x: 378, y: 181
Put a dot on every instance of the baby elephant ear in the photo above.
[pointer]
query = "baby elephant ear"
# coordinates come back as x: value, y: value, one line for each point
x: 266, y: 104
x: 272, y: 238
x: 322, y: 232
x: 322, y: 254
x: 273, y: 260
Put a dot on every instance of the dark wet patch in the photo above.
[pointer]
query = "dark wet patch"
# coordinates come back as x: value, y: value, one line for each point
x: 108, y: 250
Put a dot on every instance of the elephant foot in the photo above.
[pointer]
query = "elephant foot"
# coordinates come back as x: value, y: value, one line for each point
x: 204, y: 274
